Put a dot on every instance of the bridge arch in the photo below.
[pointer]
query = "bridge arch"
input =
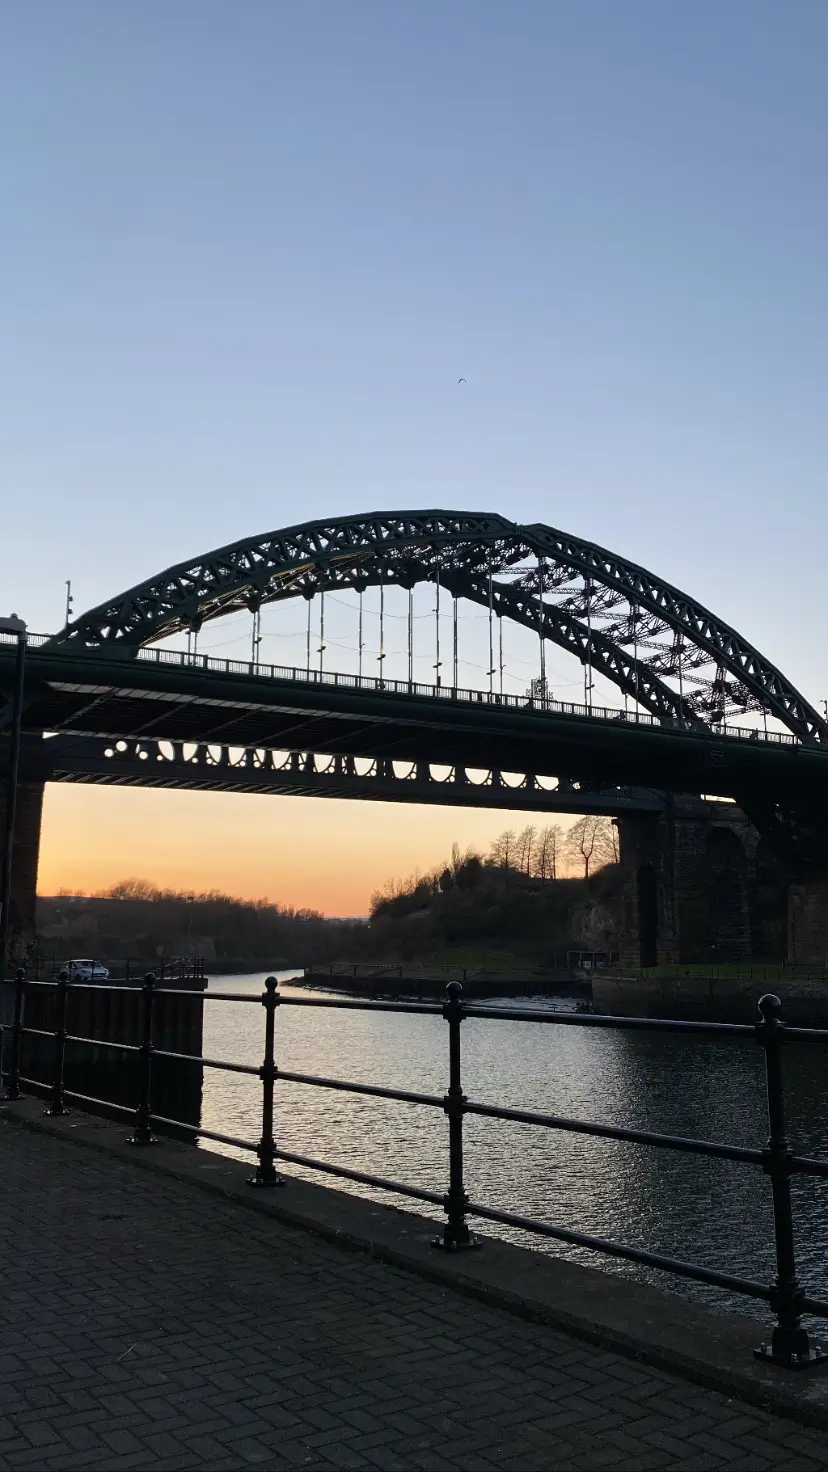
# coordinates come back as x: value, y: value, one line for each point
x: 656, y: 644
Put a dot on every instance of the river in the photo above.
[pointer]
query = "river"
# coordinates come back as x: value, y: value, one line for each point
x: 715, y: 1213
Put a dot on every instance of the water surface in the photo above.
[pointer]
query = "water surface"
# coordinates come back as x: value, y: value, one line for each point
x: 711, y: 1212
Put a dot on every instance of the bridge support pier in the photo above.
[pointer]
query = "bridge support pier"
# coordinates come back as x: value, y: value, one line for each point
x: 690, y: 886
x: 808, y: 921
x: 25, y: 858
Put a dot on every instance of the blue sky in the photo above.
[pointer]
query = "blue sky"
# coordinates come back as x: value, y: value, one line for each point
x: 249, y: 250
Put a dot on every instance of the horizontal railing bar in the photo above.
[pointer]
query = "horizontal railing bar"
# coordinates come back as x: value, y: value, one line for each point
x: 816, y: 1307
x: 39, y: 1083
x: 592, y: 1019
x: 45, y: 1032
x: 94, y: 986
x: 249, y: 1068
x: 350, y: 1088
x: 354, y: 1004
x: 360, y: 1175
x: 617, y: 1249
x: 613, y: 1132
x: 473, y: 1009
x: 208, y: 996
x: 195, y: 1129
x: 805, y: 1165
x: 103, y: 1043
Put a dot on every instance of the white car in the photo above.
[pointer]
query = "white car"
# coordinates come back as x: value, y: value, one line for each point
x: 86, y: 970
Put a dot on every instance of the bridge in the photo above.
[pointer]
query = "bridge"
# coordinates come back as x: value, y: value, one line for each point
x: 123, y: 695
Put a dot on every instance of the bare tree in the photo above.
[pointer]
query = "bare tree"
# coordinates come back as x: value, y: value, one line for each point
x: 548, y: 852
x: 582, y: 840
x: 611, y: 842
x: 593, y: 842
x: 502, y: 851
x: 524, y: 849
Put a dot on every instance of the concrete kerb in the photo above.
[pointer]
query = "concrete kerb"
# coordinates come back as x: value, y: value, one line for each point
x: 654, y: 1327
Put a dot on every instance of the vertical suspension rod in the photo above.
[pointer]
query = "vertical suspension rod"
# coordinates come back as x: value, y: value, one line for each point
x: 491, y: 643
x: 437, y: 660
x: 542, y: 627
x: 588, y: 669
x: 321, y: 630
x: 381, y: 655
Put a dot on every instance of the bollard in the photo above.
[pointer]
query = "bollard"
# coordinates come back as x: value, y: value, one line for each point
x: 142, y: 1129
x: 789, y: 1346
x: 57, y: 1105
x: 456, y: 1235
x: 13, y: 1076
x: 266, y: 1173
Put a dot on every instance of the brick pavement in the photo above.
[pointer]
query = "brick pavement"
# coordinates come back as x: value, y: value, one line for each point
x: 147, y: 1325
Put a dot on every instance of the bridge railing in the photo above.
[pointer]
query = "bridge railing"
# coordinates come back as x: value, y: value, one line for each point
x: 334, y: 679
x: 789, y: 1345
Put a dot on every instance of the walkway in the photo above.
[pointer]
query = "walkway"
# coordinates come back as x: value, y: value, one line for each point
x: 148, y: 1325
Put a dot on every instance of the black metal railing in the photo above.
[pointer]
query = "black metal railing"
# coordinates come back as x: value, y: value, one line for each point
x: 789, y: 1345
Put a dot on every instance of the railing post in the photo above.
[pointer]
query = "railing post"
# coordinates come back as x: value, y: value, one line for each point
x: 789, y: 1346
x: 57, y: 1104
x: 456, y: 1235
x: 142, y: 1129
x: 266, y: 1174
x: 13, y: 1073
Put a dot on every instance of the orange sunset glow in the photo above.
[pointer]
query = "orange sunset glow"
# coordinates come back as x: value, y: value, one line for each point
x: 318, y: 853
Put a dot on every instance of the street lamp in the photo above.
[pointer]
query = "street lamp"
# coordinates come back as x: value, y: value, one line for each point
x: 17, y: 628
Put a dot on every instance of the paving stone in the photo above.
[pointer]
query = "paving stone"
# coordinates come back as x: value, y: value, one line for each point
x: 147, y: 1326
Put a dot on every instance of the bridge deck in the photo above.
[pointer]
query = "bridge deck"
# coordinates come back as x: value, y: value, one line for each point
x: 177, y: 698
x: 149, y: 1325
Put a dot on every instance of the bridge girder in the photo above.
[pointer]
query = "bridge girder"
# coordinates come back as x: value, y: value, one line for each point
x: 415, y: 546
x: 209, y: 767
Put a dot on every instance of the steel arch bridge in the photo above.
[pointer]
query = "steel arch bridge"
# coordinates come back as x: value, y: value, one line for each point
x: 631, y: 626
x: 114, y: 693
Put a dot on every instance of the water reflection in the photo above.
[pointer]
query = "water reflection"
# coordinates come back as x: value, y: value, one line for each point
x: 711, y: 1212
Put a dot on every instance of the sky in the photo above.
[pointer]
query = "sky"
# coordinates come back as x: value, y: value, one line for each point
x: 249, y: 251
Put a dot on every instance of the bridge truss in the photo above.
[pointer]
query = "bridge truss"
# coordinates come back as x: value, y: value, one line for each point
x: 661, y: 648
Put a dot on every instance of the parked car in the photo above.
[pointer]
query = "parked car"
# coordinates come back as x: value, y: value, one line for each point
x: 86, y: 970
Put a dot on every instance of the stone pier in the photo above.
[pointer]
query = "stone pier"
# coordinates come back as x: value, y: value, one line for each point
x: 700, y: 886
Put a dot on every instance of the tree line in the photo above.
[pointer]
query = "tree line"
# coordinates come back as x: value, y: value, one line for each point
x: 139, y: 919
x: 548, y: 853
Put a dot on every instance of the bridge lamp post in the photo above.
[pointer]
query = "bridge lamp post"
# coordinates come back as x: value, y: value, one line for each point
x: 17, y: 627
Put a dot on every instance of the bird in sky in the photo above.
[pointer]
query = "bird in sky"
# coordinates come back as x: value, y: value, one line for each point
x: 461, y: 380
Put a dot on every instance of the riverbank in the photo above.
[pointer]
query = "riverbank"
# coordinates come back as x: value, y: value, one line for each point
x: 714, y: 997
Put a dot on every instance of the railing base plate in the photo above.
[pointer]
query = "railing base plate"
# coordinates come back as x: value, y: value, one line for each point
x: 808, y: 1361
x: 470, y: 1245
x: 265, y: 1185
